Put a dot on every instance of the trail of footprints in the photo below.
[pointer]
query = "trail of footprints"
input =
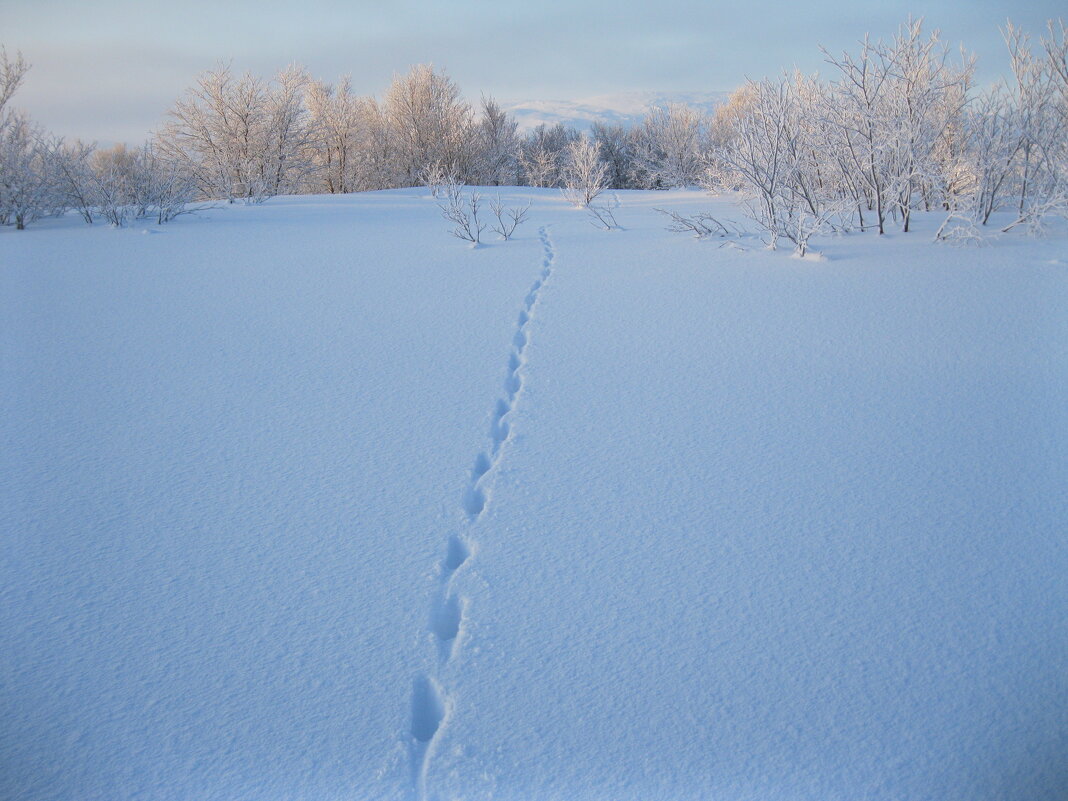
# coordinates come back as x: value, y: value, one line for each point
x: 430, y: 701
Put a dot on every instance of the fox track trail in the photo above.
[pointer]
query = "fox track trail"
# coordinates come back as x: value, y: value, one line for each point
x: 431, y: 704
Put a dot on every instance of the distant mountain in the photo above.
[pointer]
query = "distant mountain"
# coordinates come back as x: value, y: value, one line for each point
x: 622, y: 108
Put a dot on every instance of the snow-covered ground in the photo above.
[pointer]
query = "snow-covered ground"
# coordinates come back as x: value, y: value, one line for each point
x: 310, y: 501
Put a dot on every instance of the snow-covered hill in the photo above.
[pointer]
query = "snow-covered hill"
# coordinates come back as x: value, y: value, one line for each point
x: 622, y: 108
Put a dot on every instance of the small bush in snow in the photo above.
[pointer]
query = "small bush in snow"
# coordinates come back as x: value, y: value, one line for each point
x: 508, y: 219
x: 463, y: 214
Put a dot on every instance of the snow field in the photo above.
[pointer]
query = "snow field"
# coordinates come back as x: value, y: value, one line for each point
x: 308, y: 500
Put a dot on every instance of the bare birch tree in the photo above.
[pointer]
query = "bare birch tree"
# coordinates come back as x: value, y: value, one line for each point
x: 497, y: 146
x: 585, y: 174
x: 669, y: 147
x: 429, y: 122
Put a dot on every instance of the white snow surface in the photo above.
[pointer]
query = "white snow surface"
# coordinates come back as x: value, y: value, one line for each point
x: 308, y: 500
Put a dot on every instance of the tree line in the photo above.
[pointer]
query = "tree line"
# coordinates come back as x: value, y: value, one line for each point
x: 898, y: 126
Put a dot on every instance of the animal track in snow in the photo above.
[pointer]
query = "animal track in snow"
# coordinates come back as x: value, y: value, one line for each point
x: 445, y: 622
x: 446, y: 618
x: 429, y: 702
x: 428, y: 708
x: 500, y: 428
x: 482, y: 466
x: 428, y: 713
x: 513, y: 383
x: 456, y: 553
x: 474, y: 501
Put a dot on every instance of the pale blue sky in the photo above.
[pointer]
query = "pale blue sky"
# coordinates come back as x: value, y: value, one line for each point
x: 108, y: 70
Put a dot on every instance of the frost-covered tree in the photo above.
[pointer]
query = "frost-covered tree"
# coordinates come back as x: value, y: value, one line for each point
x: 170, y: 187
x: 1015, y: 149
x: 895, y: 111
x: 862, y: 126
x: 74, y: 177
x: 120, y: 184
x: 429, y: 123
x: 950, y: 178
x: 757, y: 152
x: 12, y: 71
x: 379, y: 165
x: 1041, y: 124
x: 1056, y: 47
x: 669, y: 150
x: 28, y: 182
x: 287, y: 161
x: 543, y: 155
x: 139, y: 183
x: 924, y: 103
x: 337, y: 129
x: 497, y: 146
x: 899, y: 129
x: 718, y: 174
x: 585, y: 174
x: 993, y: 143
x: 219, y: 131
x: 618, y: 148
x: 241, y: 138
x: 28, y: 189
x: 772, y: 148
x: 541, y: 166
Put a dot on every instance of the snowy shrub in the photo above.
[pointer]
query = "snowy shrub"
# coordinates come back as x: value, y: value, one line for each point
x: 700, y: 225
x: 508, y: 219
x: 601, y: 216
x: 463, y: 213
x: 440, y: 181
